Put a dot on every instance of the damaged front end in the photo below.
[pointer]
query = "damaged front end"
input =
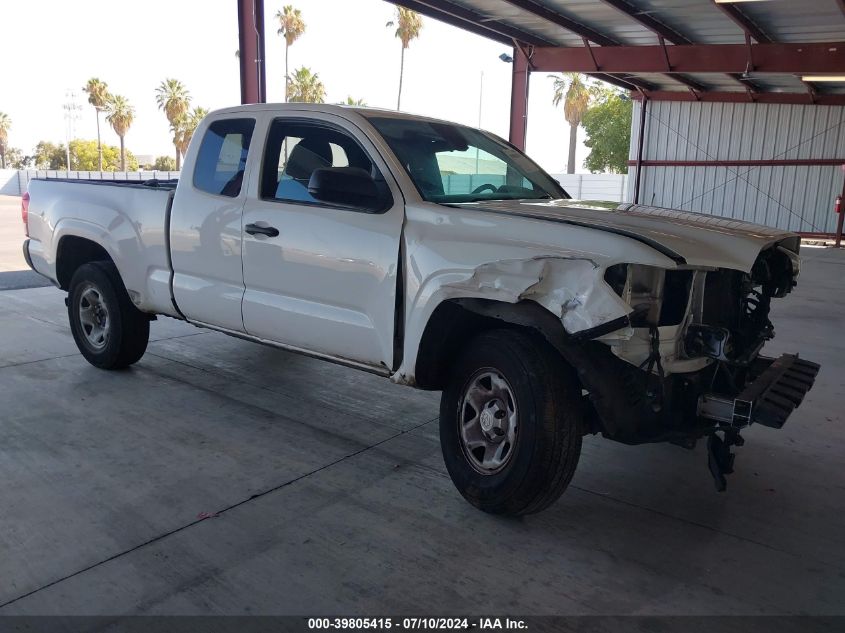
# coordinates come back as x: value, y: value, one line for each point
x: 687, y: 365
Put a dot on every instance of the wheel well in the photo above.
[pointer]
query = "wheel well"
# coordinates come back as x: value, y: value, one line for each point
x: 72, y: 253
x: 455, y: 321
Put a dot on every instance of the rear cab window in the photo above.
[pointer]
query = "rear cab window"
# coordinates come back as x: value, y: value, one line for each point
x: 221, y: 160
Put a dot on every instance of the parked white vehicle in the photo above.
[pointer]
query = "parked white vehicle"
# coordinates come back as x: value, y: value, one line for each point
x: 443, y: 258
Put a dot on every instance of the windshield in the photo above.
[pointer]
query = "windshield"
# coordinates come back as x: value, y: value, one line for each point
x: 452, y: 163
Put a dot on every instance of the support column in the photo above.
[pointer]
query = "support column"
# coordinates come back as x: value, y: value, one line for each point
x: 519, y: 99
x: 640, y: 145
x: 251, y: 47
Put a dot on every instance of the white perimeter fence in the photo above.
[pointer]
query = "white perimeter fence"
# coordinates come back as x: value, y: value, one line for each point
x: 613, y: 187
x: 14, y: 182
x: 610, y: 187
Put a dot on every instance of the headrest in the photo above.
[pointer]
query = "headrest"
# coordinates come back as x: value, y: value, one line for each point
x: 306, y: 156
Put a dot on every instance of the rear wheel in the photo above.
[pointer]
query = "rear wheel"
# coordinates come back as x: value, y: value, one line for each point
x: 510, y: 423
x: 109, y: 331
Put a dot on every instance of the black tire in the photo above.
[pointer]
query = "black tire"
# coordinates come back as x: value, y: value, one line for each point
x: 547, y: 408
x: 126, y: 329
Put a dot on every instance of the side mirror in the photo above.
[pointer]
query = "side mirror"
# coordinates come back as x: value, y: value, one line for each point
x: 348, y: 186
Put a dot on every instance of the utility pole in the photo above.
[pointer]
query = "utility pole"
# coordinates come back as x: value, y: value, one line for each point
x: 480, y: 101
x: 72, y: 110
x: 480, y: 97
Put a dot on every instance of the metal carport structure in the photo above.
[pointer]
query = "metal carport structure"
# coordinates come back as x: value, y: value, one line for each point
x: 780, y: 57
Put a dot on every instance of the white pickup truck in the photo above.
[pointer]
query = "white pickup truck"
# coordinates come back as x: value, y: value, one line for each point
x: 442, y: 258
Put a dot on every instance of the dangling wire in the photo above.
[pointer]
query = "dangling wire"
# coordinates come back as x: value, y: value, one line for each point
x: 649, y: 364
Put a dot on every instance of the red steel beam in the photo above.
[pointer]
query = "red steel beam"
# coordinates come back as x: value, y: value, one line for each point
x: 743, y: 21
x: 670, y: 35
x: 798, y: 162
x: 478, y: 24
x: 251, y: 47
x: 587, y: 33
x: 818, y: 58
x: 799, y: 98
x: 519, y: 99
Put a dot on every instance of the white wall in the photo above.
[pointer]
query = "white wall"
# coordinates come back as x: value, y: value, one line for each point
x: 610, y: 187
x: 10, y: 184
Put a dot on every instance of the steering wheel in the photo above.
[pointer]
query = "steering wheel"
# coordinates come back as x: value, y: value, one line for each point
x: 485, y: 186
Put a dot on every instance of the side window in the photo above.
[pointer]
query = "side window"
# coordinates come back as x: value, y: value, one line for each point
x: 222, y: 157
x: 296, y: 149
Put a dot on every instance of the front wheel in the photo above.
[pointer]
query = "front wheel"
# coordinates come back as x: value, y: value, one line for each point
x: 511, y: 423
x: 110, y: 332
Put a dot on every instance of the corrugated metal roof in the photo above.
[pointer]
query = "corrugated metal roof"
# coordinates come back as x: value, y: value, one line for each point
x: 699, y: 21
x: 796, y: 21
x: 604, y: 19
x: 523, y: 20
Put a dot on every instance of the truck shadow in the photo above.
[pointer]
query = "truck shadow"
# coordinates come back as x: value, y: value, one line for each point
x: 22, y: 279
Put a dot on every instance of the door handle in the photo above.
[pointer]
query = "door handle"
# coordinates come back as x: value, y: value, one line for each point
x: 269, y: 231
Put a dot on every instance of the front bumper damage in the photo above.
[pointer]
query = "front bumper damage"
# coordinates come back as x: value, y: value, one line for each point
x: 694, y: 368
x: 776, y: 390
x: 634, y: 406
x: 769, y: 399
x: 662, y: 354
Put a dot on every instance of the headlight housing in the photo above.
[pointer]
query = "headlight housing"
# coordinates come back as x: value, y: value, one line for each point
x: 655, y: 295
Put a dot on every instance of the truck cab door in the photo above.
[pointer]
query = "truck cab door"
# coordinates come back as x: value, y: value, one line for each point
x: 321, y: 277
x: 205, y: 226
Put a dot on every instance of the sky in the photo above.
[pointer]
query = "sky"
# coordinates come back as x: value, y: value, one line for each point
x: 59, y: 45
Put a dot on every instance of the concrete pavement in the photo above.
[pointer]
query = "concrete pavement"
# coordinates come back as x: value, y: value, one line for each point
x: 217, y: 476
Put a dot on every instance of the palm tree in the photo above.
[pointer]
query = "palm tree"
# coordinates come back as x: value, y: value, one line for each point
x: 98, y: 96
x: 354, y: 102
x: 5, y: 125
x: 291, y: 26
x: 185, y: 128
x: 174, y: 99
x: 575, y: 95
x: 409, y: 24
x: 306, y: 87
x: 121, y: 115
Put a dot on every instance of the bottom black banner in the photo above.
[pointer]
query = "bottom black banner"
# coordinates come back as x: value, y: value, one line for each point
x: 283, y: 624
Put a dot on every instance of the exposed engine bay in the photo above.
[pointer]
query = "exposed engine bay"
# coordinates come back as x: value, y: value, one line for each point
x: 688, y: 364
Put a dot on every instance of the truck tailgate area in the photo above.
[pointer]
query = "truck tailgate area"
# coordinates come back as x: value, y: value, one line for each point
x: 129, y: 220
